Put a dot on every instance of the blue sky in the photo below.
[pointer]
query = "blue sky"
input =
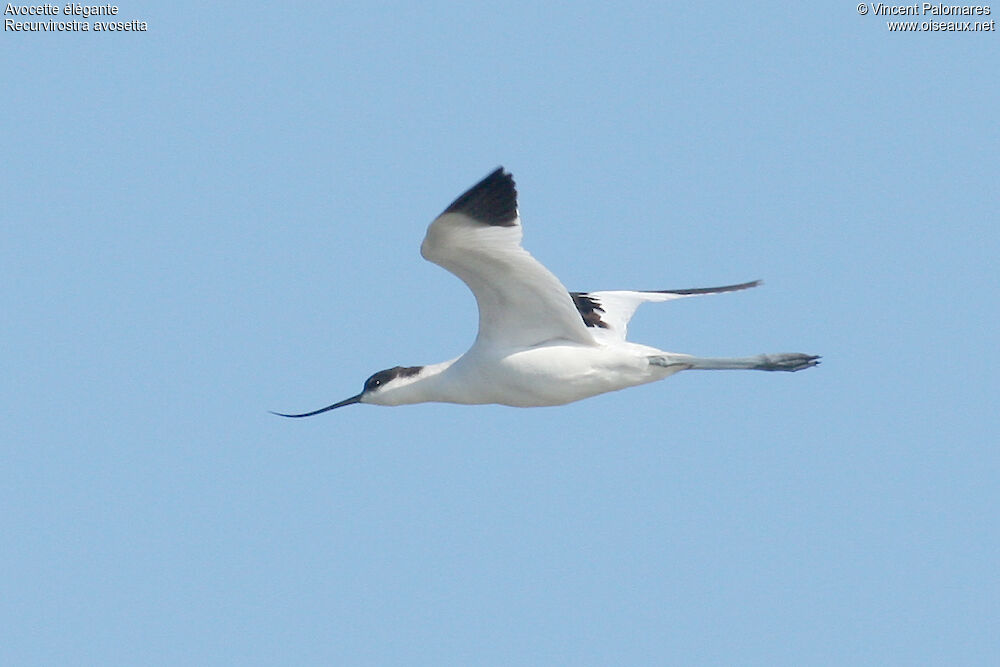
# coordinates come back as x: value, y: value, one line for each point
x: 221, y: 216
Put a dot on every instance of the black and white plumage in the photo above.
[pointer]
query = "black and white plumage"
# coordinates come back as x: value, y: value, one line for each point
x: 538, y: 344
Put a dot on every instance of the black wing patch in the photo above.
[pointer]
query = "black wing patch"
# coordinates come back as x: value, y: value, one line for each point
x: 590, y: 309
x: 491, y: 201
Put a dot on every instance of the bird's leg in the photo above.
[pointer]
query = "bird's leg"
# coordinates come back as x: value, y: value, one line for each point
x: 786, y: 361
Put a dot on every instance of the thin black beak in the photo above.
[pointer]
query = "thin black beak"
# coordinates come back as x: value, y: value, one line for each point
x: 349, y: 401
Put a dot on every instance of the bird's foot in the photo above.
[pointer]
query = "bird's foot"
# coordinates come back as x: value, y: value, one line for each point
x: 787, y: 361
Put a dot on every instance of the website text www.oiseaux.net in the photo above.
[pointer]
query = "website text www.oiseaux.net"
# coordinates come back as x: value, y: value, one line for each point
x: 936, y: 17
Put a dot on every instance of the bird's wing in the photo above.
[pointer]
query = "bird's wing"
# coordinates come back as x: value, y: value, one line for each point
x: 478, y: 238
x: 608, y: 313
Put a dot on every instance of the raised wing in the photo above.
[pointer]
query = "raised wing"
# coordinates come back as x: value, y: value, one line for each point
x: 608, y: 313
x: 478, y: 238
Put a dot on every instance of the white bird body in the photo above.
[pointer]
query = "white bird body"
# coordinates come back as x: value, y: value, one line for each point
x: 553, y: 373
x: 538, y: 344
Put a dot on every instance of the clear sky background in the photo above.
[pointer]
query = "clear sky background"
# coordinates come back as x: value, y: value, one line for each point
x: 221, y: 216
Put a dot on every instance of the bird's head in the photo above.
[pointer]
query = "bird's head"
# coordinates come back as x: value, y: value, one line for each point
x: 383, y: 388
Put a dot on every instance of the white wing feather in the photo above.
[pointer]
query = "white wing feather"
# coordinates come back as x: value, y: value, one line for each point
x: 608, y: 312
x: 521, y: 303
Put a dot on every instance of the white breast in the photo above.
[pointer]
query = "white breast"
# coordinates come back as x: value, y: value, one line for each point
x: 549, y: 374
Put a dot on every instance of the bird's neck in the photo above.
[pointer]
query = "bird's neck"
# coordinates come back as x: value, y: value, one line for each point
x: 431, y: 384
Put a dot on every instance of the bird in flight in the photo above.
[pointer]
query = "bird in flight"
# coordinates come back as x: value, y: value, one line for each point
x: 538, y: 343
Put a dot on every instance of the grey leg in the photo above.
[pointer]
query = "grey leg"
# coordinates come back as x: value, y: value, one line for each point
x: 786, y: 361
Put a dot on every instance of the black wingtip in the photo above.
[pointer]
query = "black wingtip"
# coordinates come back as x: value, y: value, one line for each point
x: 491, y: 201
x: 714, y: 290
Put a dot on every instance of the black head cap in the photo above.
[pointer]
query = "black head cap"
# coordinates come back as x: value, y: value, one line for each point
x: 383, y: 377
